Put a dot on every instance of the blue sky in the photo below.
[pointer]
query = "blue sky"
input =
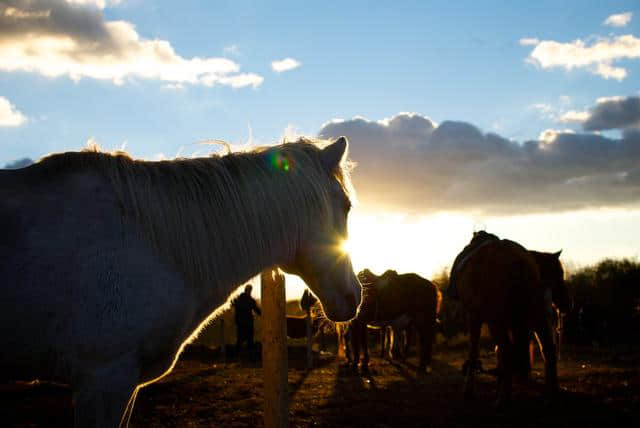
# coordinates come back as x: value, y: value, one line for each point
x: 446, y: 60
x: 511, y: 68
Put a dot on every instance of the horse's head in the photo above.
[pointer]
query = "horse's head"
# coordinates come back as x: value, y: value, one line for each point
x: 307, y: 301
x: 552, y: 276
x: 320, y: 259
x: 367, y: 277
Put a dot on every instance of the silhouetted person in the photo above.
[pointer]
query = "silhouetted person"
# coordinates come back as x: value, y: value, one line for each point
x: 244, y: 306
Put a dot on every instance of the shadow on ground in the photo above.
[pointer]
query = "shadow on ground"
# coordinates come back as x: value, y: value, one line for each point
x: 598, y: 390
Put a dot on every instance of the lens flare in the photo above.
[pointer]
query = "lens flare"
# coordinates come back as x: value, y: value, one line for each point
x: 347, y: 246
x: 279, y: 162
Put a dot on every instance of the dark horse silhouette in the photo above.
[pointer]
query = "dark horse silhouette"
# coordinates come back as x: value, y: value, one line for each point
x: 297, y: 325
x: 393, y: 297
x: 511, y: 289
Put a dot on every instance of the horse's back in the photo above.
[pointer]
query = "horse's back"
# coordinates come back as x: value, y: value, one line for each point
x: 296, y: 326
x: 42, y: 218
x: 74, y: 275
x: 409, y: 293
x: 495, y: 277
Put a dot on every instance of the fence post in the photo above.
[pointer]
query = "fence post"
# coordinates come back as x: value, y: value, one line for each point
x: 274, y: 350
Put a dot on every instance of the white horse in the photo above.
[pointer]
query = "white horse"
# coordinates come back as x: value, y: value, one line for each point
x: 111, y: 265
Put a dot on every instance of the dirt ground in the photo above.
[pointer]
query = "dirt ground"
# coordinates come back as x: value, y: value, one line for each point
x: 599, y: 388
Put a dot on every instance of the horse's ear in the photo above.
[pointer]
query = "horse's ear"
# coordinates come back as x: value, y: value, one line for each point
x: 332, y: 154
x: 557, y: 254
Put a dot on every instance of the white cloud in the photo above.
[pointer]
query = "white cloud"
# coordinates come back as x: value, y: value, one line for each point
x: 101, y: 4
x: 545, y: 110
x: 529, y: 41
x: 56, y: 38
x: 608, y: 72
x: 558, y: 112
x: 174, y: 86
x: 286, y: 64
x: 573, y: 116
x: 548, y: 136
x: 237, y: 80
x: 542, y: 107
x: 9, y: 115
x: 596, y: 57
x: 618, y: 20
x: 601, y: 100
x: 232, y: 50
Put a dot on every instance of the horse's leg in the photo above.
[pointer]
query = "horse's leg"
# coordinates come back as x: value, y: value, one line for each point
x: 521, y: 358
x: 398, y: 342
x: 323, y: 343
x: 389, y: 339
x: 410, y: 338
x: 392, y: 344
x: 355, y: 343
x: 426, y: 346
x: 104, y: 396
x: 348, y: 340
x: 340, y: 340
x: 506, y: 356
x: 365, y: 348
x: 545, y: 334
x: 473, y: 363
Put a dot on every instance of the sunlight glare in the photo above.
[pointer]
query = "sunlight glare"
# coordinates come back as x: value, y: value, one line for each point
x: 424, y: 245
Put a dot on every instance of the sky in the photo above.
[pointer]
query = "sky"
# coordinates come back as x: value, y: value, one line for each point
x: 522, y: 119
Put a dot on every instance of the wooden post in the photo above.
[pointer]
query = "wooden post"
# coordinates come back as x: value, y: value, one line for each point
x: 309, y: 341
x: 274, y: 350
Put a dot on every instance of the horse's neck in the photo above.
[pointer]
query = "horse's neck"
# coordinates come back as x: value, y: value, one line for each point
x: 245, y: 252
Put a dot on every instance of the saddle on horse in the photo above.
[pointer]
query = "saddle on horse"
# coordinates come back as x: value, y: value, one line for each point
x: 479, y: 240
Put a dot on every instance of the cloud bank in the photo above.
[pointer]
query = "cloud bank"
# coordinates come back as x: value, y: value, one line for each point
x: 71, y: 38
x: 614, y: 113
x: 409, y: 163
x: 9, y: 115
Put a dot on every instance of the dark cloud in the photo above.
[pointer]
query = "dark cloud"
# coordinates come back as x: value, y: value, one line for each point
x: 408, y: 163
x: 614, y: 113
x: 54, y: 18
x: 20, y: 163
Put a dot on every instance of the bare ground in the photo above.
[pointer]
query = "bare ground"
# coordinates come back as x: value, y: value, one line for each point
x: 598, y: 389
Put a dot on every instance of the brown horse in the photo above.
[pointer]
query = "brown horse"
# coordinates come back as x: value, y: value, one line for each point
x: 511, y: 289
x: 393, y: 299
x: 297, y: 324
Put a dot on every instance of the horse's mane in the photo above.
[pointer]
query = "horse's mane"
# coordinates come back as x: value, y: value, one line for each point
x: 194, y: 211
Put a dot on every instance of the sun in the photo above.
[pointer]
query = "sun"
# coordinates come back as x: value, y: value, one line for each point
x: 424, y: 245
